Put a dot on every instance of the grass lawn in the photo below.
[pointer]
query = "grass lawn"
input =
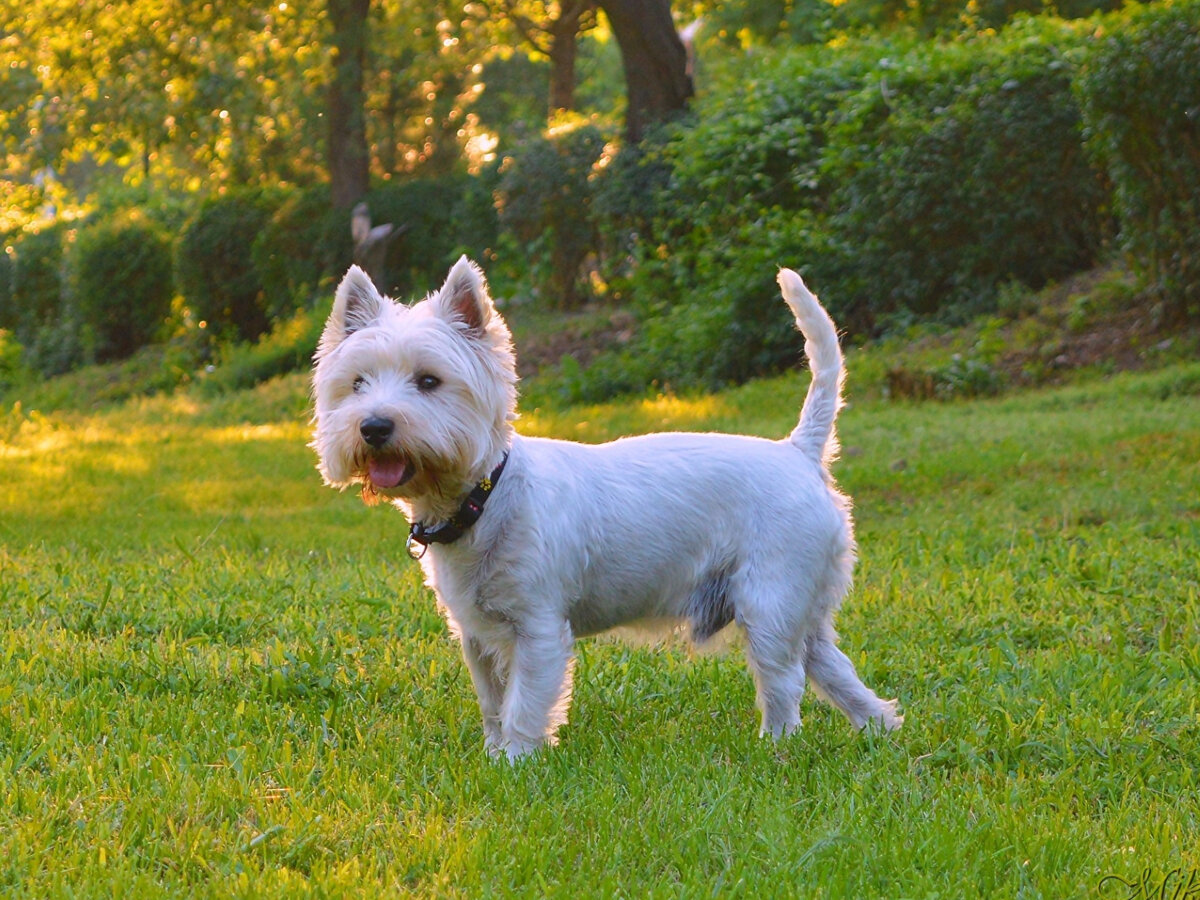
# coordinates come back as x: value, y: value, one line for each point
x: 218, y: 678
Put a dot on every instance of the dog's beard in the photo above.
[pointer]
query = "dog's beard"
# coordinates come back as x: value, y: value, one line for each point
x: 420, y: 477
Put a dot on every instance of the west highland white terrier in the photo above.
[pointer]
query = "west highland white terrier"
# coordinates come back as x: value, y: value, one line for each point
x: 530, y: 543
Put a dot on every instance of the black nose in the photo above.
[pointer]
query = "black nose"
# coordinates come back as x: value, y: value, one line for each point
x: 376, y: 430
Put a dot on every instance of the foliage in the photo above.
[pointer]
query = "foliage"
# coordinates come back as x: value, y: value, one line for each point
x: 1141, y: 100
x: 513, y: 99
x: 305, y: 247
x: 743, y: 22
x: 443, y: 218
x: 902, y: 178
x: 120, y: 282
x: 222, y: 679
x: 962, y: 166
x: 37, y: 310
x: 35, y: 279
x: 544, y: 198
x: 176, y: 92
x: 214, y: 266
x: 13, y: 372
x: 288, y: 347
x: 906, y: 178
x: 8, y: 310
x: 302, y: 247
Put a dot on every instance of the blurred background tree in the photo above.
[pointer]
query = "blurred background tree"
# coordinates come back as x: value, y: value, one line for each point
x: 922, y: 154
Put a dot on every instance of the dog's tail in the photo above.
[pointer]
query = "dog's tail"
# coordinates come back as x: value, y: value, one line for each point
x: 815, y: 434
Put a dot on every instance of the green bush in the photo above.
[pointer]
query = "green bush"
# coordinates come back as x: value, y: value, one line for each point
x: 544, y: 198
x: 120, y: 280
x: 953, y: 17
x: 730, y: 198
x: 303, y: 247
x: 214, y: 267
x: 8, y: 309
x: 288, y: 347
x: 36, y: 287
x: 901, y: 178
x: 443, y: 218
x: 38, y: 312
x: 13, y: 372
x: 961, y: 167
x: 1140, y: 92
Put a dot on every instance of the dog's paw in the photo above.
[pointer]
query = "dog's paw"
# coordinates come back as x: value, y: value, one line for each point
x: 885, y: 720
x: 513, y: 752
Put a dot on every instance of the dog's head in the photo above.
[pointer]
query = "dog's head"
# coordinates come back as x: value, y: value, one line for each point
x: 414, y: 403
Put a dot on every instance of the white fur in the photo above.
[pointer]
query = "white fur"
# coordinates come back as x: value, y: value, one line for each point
x: 577, y: 539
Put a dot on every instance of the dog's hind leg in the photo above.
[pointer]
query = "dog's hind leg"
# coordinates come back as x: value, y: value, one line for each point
x: 537, y: 693
x: 835, y: 679
x: 777, y: 662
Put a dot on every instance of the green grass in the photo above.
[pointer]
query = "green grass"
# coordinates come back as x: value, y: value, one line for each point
x: 218, y: 678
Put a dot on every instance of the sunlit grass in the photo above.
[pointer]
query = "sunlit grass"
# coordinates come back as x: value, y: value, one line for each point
x: 664, y: 412
x: 219, y: 678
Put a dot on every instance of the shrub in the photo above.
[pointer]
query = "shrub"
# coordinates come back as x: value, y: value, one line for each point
x: 305, y: 247
x: 120, y: 279
x: 901, y: 178
x: 36, y: 288
x: 1140, y: 95
x: 443, y: 218
x: 961, y: 167
x: 545, y: 196
x: 731, y: 198
x: 301, y: 249
x: 39, y: 314
x: 214, y: 268
x: 8, y: 310
x: 288, y: 347
x: 12, y: 368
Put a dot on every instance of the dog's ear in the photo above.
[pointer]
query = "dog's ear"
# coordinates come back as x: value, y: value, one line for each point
x: 464, y: 297
x: 356, y: 305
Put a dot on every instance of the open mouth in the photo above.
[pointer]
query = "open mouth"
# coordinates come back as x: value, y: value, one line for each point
x: 388, y: 472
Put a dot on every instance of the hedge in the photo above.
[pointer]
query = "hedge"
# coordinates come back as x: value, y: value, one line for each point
x: 38, y: 312
x: 903, y: 178
x: 1140, y: 91
x: 214, y: 268
x: 120, y: 280
x: 545, y: 196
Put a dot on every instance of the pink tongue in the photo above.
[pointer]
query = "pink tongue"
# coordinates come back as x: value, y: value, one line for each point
x: 386, y: 473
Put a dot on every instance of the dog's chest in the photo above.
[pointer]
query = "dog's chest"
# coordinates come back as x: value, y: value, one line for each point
x: 469, y: 599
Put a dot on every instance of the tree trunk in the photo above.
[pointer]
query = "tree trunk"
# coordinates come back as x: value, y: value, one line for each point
x: 657, y: 84
x: 562, y: 64
x: 347, y: 142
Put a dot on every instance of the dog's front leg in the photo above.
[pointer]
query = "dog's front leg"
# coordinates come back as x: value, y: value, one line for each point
x: 538, y: 690
x: 486, y: 666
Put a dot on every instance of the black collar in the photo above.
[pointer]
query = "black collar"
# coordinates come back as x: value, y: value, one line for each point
x: 468, y: 514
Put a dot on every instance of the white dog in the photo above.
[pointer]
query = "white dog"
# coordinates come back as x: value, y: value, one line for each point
x: 531, y: 543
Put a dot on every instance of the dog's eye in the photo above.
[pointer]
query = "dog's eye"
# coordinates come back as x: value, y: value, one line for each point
x: 427, y: 382
x: 358, y: 384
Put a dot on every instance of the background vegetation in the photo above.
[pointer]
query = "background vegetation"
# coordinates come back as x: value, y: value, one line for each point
x: 919, y: 162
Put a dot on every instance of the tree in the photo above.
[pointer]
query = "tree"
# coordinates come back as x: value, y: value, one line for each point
x: 657, y: 83
x: 349, y: 164
x: 553, y: 29
x: 423, y: 71
x: 180, y: 92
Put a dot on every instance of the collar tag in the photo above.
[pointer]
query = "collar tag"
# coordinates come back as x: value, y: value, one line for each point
x: 468, y: 514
